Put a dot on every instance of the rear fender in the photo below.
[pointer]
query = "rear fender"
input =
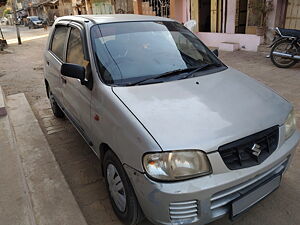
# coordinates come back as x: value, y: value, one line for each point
x: 276, y: 40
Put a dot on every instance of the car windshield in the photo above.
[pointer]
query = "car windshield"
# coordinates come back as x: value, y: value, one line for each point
x: 128, y: 52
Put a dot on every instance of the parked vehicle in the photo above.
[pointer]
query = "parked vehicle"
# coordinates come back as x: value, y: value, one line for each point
x: 182, y: 138
x: 285, y: 50
x: 34, y: 22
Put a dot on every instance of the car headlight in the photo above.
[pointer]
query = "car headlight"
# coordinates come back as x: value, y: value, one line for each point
x: 176, y: 165
x: 290, y: 125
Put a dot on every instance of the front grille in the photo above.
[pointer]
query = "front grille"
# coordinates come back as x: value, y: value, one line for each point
x: 251, y: 150
x: 183, y: 210
x: 221, y: 201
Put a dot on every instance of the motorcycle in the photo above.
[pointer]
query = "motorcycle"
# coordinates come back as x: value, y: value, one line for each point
x: 285, y: 50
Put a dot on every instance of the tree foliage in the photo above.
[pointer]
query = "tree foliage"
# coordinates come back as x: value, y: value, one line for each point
x: 6, y: 11
x: 3, y: 2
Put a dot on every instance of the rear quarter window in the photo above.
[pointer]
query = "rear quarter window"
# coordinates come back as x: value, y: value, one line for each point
x: 58, y: 41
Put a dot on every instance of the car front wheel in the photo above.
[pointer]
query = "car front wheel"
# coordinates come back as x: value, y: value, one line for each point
x: 121, y: 193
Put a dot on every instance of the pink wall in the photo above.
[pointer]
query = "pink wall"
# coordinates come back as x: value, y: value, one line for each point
x: 248, y: 42
x: 231, y: 11
x: 181, y: 10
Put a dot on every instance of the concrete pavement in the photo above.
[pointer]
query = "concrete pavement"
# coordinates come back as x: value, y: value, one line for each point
x: 33, y: 190
x: 15, y: 207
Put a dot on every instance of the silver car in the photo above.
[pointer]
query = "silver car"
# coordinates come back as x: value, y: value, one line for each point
x: 34, y: 22
x: 182, y: 138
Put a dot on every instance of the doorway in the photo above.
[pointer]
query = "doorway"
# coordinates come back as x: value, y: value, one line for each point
x: 204, y: 15
x: 210, y: 15
x: 242, y: 6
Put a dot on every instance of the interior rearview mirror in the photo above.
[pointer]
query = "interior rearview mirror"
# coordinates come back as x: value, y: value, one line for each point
x: 216, y: 52
x: 73, y: 70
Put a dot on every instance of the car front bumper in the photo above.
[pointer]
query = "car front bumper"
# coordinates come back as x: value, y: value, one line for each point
x: 40, y: 25
x: 204, y: 199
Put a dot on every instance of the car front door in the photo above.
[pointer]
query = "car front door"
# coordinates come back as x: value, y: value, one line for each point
x: 54, y: 58
x: 77, y: 97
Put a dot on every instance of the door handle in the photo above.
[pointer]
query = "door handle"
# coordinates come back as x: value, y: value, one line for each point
x: 64, y: 80
x: 47, y: 63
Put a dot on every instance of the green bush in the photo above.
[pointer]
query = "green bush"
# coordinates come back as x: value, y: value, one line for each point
x: 6, y: 11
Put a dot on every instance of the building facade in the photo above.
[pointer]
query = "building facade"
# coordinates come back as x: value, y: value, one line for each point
x: 81, y: 7
x: 230, y: 24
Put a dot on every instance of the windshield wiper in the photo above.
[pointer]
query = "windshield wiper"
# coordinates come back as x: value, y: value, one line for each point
x: 202, y: 67
x: 167, y: 74
x: 176, y: 72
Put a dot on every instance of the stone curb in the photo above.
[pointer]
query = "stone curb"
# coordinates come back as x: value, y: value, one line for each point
x: 15, y: 207
x: 2, y: 103
x: 51, y: 200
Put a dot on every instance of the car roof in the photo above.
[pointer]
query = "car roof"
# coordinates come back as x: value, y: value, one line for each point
x: 112, y: 18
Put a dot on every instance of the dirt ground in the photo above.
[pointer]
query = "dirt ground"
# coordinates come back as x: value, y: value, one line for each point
x: 21, y: 70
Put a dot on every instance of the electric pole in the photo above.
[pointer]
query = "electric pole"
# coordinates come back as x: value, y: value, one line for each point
x: 14, y: 2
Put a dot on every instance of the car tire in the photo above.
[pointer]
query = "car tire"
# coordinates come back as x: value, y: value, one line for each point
x: 57, y: 112
x: 119, y: 187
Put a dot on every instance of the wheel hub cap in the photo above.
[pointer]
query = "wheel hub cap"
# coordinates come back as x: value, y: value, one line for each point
x: 116, y: 187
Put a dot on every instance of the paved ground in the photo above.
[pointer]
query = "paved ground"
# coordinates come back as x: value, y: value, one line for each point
x: 21, y: 71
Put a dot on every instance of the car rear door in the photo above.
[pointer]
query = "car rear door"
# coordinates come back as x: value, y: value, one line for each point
x: 77, y: 97
x: 54, y: 57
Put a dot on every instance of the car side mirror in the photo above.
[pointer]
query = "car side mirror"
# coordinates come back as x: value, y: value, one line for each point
x: 216, y: 52
x: 74, y: 71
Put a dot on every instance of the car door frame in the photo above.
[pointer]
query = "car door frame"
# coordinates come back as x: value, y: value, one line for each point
x: 89, y: 86
x: 75, y: 24
x: 58, y: 92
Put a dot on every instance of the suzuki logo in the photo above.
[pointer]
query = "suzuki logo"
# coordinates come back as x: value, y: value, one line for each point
x: 256, y: 150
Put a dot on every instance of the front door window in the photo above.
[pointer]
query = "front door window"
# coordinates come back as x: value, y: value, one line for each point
x: 75, y: 49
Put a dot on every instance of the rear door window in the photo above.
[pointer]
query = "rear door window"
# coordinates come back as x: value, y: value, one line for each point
x: 58, y: 41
